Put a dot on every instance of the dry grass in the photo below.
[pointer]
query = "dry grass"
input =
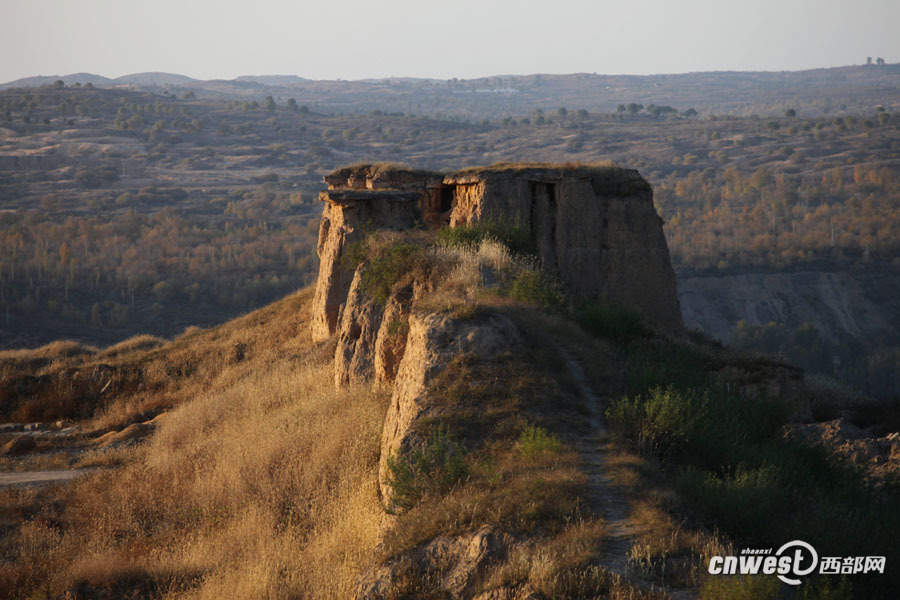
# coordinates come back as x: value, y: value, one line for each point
x: 136, y: 379
x: 203, y: 359
x: 460, y: 278
x: 262, y: 485
x: 668, y: 549
x: 468, y: 278
x: 132, y: 345
x: 35, y: 360
x: 561, y: 566
x: 261, y: 479
x: 37, y: 462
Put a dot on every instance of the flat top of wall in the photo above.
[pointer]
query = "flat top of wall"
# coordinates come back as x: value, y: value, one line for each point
x: 606, y: 178
x: 352, y: 195
x: 376, y: 169
x: 380, y: 175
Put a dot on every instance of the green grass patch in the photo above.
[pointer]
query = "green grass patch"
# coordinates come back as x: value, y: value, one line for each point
x: 435, y: 467
x: 386, y: 269
x: 515, y: 235
x: 533, y: 286
x: 611, y: 321
x: 536, y: 442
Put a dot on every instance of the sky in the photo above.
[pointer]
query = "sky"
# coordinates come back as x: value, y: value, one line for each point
x: 355, y: 39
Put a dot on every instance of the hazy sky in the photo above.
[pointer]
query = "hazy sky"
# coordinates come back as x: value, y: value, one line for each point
x: 353, y: 39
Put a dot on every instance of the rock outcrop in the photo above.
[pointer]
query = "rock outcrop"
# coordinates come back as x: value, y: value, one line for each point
x: 390, y: 344
x: 354, y: 359
x: 879, y: 455
x: 347, y: 216
x: 454, y: 563
x: 432, y: 342
x: 595, y: 228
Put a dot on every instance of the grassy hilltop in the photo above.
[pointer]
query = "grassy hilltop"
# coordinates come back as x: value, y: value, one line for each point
x: 260, y: 477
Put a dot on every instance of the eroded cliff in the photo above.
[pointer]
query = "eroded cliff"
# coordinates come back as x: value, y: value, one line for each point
x: 470, y: 377
x: 594, y: 228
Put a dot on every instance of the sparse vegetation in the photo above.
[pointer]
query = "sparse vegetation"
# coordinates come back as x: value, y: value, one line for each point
x: 725, y: 454
x: 535, y: 287
x: 275, y: 474
x: 386, y: 267
x: 611, y: 321
x: 434, y: 468
x: 261, y: 477
x: 537, y: 442
x: 515, y: 235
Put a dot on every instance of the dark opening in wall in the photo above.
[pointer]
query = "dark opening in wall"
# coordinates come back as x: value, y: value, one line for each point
x: 447, y: 194
x: 543, y: 221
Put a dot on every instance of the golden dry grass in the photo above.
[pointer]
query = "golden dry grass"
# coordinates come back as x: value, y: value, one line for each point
x: 35, y: 360
x: 263, y: 484
x: 131, y: 345
x: 261, y: 481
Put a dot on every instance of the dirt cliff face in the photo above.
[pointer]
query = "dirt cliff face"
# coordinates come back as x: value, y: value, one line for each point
x: 433, y: 341
x: 347, y: 216
x: 595, y: 228
x: 354, y: 358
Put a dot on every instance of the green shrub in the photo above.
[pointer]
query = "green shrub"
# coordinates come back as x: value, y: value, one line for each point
x: 662, y: 363
x: 434, y: 467
x: 708, y: 425
x: 534, y: 287
x: 610, y: 320
x: 743, y: 501
x: 515, y: 235
x: 535, y: 442
x: 386, y: 269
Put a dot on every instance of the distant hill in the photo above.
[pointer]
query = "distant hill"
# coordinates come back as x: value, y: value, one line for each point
x: 72, y: 79
x: 155, y: 78
x: 766, y: 94
x: 273, y: 79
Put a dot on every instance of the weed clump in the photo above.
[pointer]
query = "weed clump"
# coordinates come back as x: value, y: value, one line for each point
x: 434, y: 467
x: 386, y: 269
x: 533, y: 286
x: 708, y: 424
x: 536, y: 442
x: 514, y: 235
x: 609, y: 320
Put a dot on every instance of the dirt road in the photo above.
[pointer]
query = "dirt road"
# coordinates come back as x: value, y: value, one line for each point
x: 27, y: 478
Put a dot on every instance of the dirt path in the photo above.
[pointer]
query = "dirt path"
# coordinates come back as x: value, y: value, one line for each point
x: 27, y: 478
x: 613, y: 506
x: 594, y: 449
